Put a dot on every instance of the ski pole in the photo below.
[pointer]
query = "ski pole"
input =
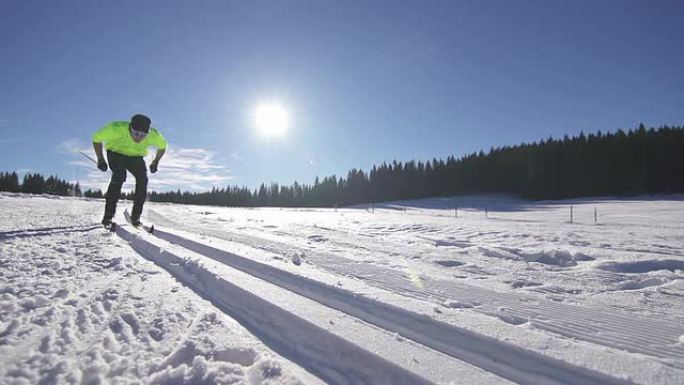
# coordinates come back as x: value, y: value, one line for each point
x: 86, y: 155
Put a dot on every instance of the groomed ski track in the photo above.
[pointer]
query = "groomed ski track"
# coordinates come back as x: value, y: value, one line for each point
x: 282, y: 331
x: 292, y: 337
x: 650, y: 336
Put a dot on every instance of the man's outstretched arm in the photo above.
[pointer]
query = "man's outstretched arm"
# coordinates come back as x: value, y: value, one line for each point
x: 159, y: 155
x: 101, y: 164
x: 155, y: 162
x: 98, y: 151
x: 102, y: 135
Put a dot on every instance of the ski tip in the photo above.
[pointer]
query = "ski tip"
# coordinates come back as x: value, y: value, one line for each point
x: 151, y: 230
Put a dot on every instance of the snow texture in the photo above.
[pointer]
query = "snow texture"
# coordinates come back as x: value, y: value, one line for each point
x: 404, y: 293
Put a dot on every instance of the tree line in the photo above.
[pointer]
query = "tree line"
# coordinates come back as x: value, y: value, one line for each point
x: 35, y: 183
x: 639, y: 161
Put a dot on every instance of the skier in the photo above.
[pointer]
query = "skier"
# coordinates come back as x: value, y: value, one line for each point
x: 126, y: 144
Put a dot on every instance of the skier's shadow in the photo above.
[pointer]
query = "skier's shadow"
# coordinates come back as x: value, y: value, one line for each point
x: 40, y: 232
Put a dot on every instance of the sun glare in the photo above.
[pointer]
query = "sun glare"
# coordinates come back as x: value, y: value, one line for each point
x: 271, y: 119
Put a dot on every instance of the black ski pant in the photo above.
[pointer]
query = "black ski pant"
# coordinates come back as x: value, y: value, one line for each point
x: 119, y: 164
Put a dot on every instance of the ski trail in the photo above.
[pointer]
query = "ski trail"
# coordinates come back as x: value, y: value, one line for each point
x: 494, y: 356
x: 645, y: 335
x: 46, y: 231
x: 296, y: 339
x: 649, y: 335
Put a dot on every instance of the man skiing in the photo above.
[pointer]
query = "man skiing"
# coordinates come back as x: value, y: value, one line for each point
x: 126, y: 144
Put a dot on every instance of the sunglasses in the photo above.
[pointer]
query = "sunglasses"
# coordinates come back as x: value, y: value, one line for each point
x: 138, y: 134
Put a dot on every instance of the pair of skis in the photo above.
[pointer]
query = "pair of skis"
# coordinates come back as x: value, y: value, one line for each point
x: 113, y: 225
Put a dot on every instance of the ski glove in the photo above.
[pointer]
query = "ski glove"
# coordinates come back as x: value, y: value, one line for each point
x: 102, y: 165
x: 153, y: 167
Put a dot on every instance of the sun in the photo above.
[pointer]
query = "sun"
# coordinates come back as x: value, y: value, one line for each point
x: 271, y: 119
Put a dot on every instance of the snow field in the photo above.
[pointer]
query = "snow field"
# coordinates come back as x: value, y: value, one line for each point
x: 78, y: 306
x: 535, y: 261
x: 396, y: 288
x: 314, y: 335
x: 588, y: 301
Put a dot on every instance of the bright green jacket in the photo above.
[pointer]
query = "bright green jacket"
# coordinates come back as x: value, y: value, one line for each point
x: 118, y: 139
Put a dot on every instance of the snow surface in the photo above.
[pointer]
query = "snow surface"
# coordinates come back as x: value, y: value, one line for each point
x: 477, y: 290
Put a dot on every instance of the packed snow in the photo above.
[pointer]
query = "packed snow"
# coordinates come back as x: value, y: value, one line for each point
x: 477, y: 290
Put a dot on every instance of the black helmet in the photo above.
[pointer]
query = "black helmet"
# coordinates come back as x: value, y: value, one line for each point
x: 140, y: 123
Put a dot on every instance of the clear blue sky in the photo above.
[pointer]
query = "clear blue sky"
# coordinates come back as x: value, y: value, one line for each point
x: 364, y: 81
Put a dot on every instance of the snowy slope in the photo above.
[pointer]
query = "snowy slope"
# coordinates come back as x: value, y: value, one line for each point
x: 460, y: 290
